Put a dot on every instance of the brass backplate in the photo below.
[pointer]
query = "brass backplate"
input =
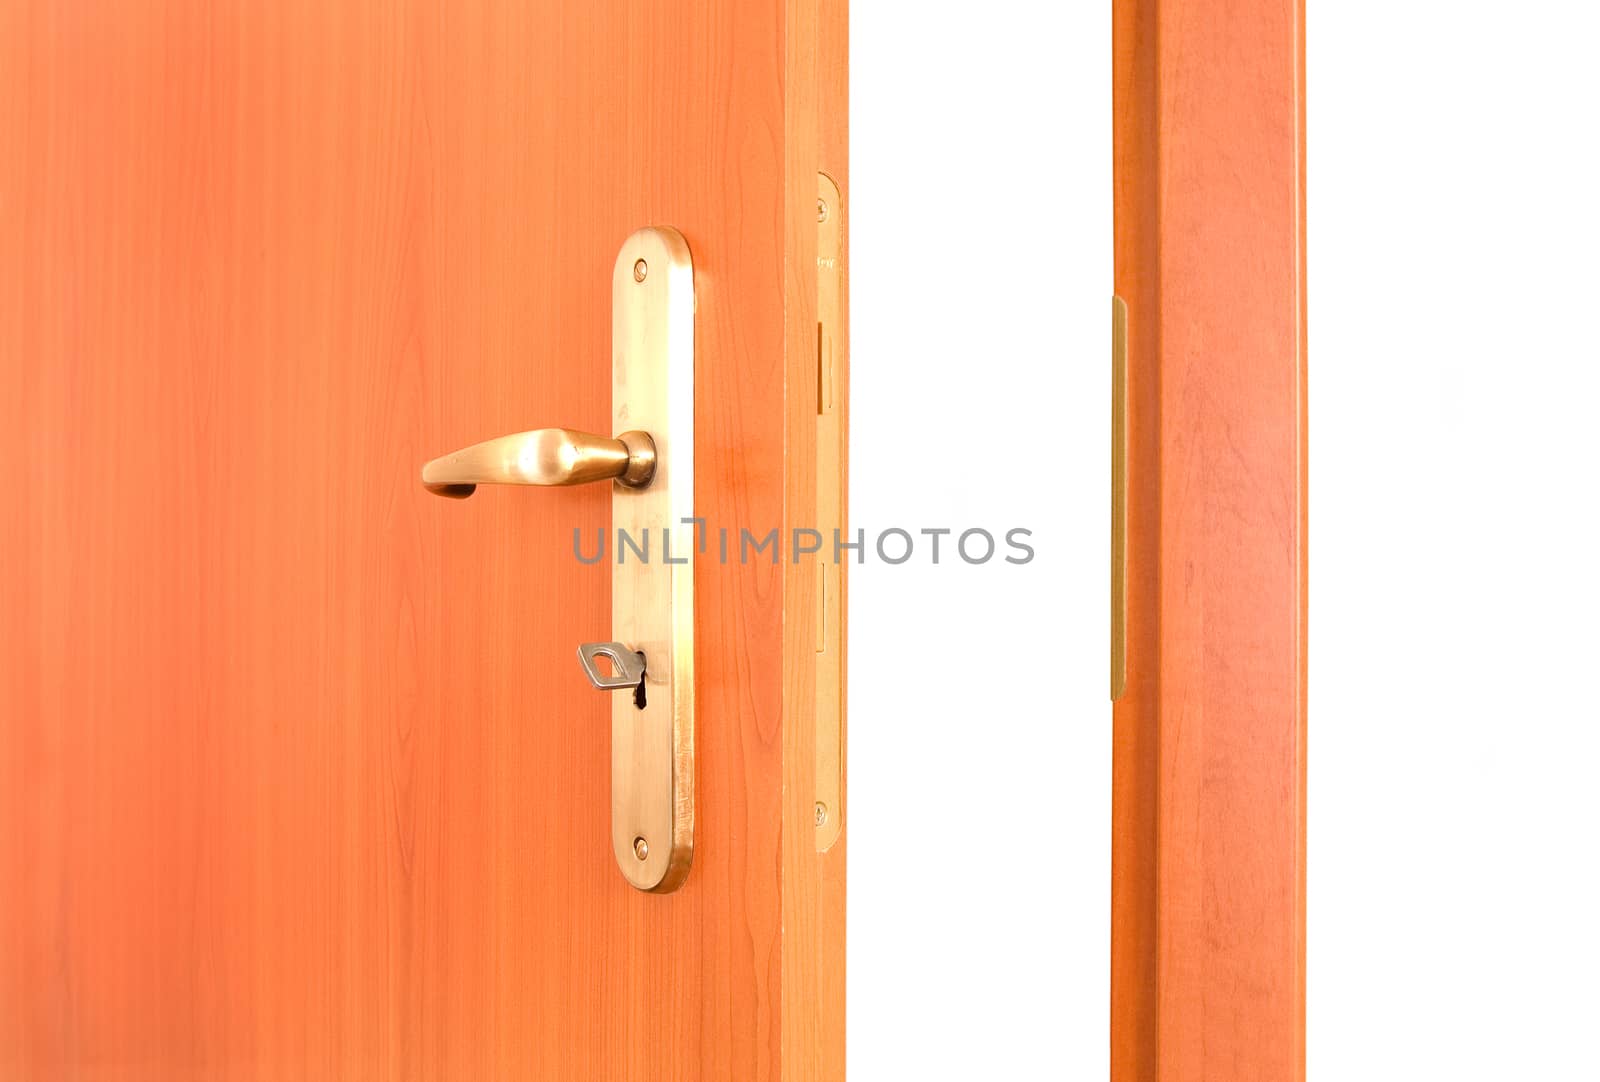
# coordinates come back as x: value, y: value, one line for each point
x: 831, y: 435
x: 652, y: 597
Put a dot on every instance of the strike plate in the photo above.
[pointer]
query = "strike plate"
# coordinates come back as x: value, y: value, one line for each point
x: 652, y: 592
x: 1119, y: 497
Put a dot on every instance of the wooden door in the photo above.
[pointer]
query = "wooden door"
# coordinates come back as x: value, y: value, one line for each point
x: 299, y: 777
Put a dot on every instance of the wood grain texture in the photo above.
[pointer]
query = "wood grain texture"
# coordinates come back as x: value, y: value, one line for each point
x: 813, y: 899
x: 833, y: 158
x: 1208, y: 877
x: 299, y: 777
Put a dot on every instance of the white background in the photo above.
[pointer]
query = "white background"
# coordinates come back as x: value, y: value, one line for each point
x: 1454, y: 889
x: 980, y: 732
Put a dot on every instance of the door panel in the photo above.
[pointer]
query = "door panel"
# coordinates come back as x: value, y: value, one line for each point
x: 299, y: 776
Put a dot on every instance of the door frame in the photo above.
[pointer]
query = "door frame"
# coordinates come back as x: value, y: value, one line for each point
x: 1209, y: 746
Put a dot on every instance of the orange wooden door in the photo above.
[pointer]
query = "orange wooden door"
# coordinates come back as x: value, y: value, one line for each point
x: 299, y: 777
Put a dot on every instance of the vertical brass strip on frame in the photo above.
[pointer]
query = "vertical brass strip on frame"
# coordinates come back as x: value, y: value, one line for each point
x: 830, y: 518
x: 1119, y: 497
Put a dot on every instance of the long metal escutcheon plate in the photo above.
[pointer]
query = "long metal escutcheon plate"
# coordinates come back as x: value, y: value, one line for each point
x: 652, y: 596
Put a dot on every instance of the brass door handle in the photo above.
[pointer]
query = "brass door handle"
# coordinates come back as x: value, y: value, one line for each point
x: 649, y: 645
x: 545, y: 456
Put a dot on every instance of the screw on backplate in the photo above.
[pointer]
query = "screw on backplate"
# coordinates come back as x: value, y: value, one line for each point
x: 640, y: 848
x: 822, y: 209
x: 640, y: 269
x: 822, y: 813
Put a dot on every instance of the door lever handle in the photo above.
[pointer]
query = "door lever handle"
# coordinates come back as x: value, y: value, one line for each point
x: 652, y: 602
x: 545, y: 456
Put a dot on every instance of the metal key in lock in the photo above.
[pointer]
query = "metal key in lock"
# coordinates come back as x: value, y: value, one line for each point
x: 628, y: 668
